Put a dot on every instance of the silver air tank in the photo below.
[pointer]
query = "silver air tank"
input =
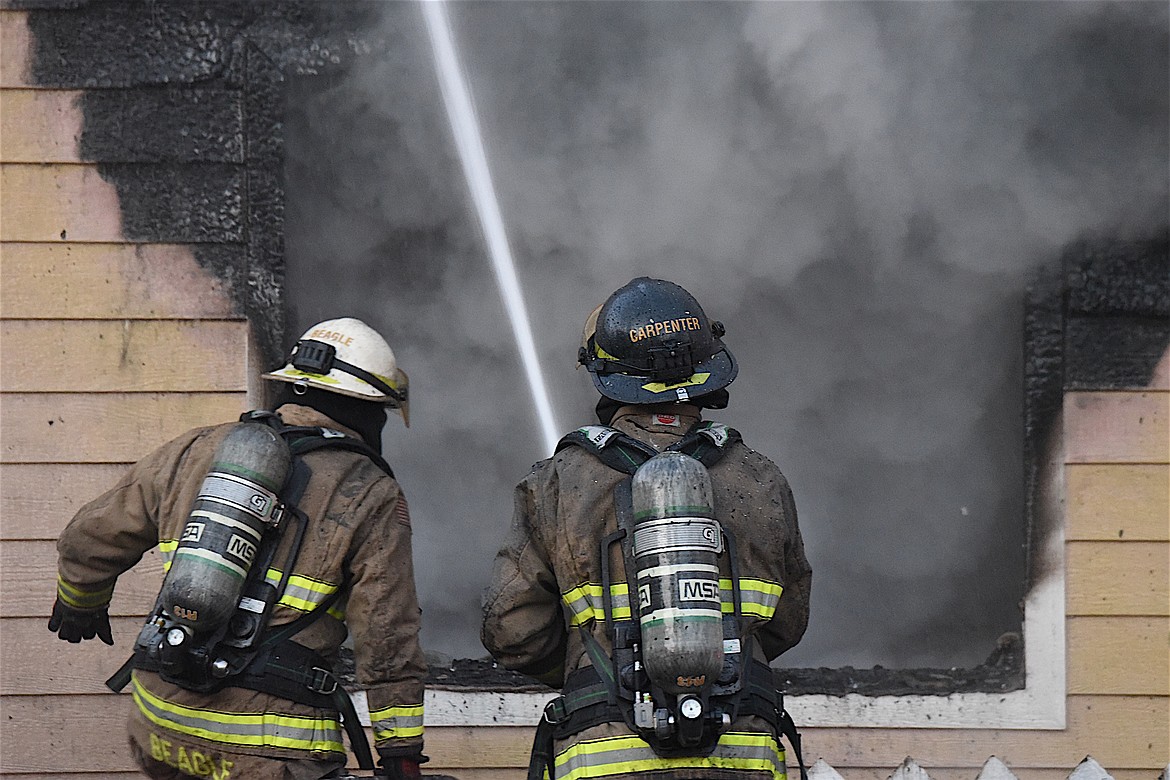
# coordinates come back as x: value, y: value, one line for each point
x: 677, y: 542
x: 236, y: 503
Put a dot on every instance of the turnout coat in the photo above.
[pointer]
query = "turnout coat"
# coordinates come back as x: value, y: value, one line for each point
x: 546, y: 583
x: 358, y: 538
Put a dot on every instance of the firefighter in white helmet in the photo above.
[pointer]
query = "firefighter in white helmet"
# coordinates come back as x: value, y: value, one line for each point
x: 254, y: 696
x: 649, y: 535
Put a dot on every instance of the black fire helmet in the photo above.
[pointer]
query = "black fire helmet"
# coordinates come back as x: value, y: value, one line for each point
x: 651, y: 342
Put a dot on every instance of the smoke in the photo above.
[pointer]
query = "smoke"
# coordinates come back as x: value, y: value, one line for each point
x: 859, y: 191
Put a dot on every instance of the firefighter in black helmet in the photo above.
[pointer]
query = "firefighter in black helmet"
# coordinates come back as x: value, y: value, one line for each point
x: 651, y: 342
x: 658, y: 361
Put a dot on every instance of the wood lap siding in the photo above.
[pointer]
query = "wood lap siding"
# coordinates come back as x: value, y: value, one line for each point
x: 109, y: 349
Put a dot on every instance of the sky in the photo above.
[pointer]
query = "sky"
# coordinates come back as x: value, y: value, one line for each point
x: 860, y: 191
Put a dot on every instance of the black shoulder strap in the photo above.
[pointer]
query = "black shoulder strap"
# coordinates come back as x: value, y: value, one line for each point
x: 615, y: 449
x: 706, y: 442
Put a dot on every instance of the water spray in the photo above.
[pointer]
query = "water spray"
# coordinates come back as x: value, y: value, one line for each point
x: 465, y: 126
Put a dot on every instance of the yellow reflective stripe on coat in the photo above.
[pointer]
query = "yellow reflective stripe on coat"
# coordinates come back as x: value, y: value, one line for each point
x: 397, y: 722
x: 167, y: 547
x: 301, y: 593
x: 757, y: 598
x: 80, y: 598
x: 585, y: 602
x: 248, y: 729
x: 622, y: 755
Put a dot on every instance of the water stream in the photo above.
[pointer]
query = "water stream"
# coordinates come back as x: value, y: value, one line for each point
x: 465, y: 126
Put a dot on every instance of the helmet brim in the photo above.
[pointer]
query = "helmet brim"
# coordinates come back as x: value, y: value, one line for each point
x: 715, y: 373
x: 340, y: 383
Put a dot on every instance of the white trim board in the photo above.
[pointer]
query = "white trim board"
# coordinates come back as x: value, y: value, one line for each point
x: 1040, y: 705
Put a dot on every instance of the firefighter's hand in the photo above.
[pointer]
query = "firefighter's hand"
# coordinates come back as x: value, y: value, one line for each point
x: 399, y: 767
x: 73, y: 625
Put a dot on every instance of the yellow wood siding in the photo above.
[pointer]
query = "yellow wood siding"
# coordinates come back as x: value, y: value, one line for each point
x: 13, y: 49
x: 66, y: 280
x: 37, y: 499
x: 39, y: 126
x: 110, y: 348
x: 54, y: 202
x: 1118, y: 502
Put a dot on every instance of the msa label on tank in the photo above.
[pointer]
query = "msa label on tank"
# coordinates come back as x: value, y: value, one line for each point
x: 193, y: 532
x: 242, y: 549
x: 698, y: 590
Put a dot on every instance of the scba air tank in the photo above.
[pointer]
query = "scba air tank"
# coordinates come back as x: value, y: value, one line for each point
x: 236, y: 503
x: 677, y: 543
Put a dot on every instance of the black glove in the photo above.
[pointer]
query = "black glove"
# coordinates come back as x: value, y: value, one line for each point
x: 73, y: 625
x: 400, y: 767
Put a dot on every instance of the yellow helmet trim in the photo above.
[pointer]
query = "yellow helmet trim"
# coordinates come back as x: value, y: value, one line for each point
x: 601, y: 353
x: 323, y: 378
x: 659, y: 387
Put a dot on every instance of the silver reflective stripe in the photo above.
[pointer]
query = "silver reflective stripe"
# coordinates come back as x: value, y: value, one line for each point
x: 629, y: 754
x: 757, y: 597
x: 300, y: 593
x: 264, y: 729
x: 397, y: 722
x: 585, y: 603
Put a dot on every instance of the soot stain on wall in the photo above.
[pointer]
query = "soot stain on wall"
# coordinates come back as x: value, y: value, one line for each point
x: 183, y: 109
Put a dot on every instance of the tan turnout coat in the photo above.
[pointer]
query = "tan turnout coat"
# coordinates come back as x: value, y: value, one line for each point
x: 547, y: 581
x: 358, y: 533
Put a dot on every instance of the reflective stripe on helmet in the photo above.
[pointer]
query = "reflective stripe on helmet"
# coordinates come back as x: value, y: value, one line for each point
x: 758, y: 598
x: 695, y: 379
x: 621, y: 755
x: 79, y: 598
x: 397, y: 722
x: 259, y: 729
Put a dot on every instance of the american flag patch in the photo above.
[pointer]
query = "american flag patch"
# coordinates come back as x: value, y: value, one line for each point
x: 402, y: 511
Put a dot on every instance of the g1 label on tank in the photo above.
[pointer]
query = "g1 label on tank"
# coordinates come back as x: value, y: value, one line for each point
x: 260, y: 502
x: 691, y: 682
x: 193, y: 532
x: 698, y: 590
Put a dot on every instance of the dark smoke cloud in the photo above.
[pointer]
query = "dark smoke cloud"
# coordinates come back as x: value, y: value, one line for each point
x: 859, y: 190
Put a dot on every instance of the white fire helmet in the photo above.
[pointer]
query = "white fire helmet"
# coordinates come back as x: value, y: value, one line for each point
x: 348, y: 357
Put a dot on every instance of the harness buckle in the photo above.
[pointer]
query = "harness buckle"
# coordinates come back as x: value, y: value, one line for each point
x: 321, y: 681
x: 556, y: 710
